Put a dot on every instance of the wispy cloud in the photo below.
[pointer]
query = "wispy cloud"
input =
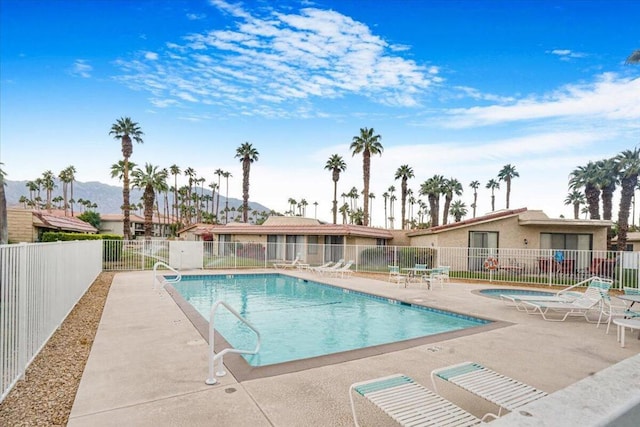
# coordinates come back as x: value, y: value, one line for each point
x: 609, y: 97
x: 81, y: 68
x: 567, y: 54
x: 278, y: 61
x: 195, y: 16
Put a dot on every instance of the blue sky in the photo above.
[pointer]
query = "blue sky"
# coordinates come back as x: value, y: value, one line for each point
x: 455, y: 88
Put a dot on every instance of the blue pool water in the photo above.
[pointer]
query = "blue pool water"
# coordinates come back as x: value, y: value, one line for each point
x: 298, y: 319
x: 506, y: 291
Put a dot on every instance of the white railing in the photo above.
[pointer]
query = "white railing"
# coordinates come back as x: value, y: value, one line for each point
x: 527, y: 266
x: 220, y: 355
x: 40, y: 283
x: 168, y: 267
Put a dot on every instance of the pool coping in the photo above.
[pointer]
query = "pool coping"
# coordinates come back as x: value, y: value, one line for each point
x: 243, y: 371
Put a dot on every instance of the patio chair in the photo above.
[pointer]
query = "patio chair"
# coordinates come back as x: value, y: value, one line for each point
x: 396, y: 276
x: 592, y: 299
x: 343, y: 271
x: 283, y: 265
x: 568, y: 294
x: 501, y: 390
x: 610, y: 311
x: 409, y: 403
x: 331, y: 268
x: 315, y: 268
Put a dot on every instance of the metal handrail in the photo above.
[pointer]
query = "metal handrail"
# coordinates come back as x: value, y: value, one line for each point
x: 162, y: 264
x: 211, y: 380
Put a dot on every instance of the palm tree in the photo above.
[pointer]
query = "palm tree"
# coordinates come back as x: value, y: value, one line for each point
x: 226, y: 176
x: 607, y: 180
x: 493, y: 185
x: 404, y: 172
x: 66, y: 176
x: 125, y: 129
x: 344, y: 210
x: 458, y: 210
x: 575, y: 198
x: 367, y: 143
x: 49, y: 184
x: 506, y: 174
x: 371, y: 197
x: 385, y: 196
x: 315, y: 210
x: 33, y: 188
x: 475, y: 185
x: 450, y: 188
x: 634, y: 58
x: 247, y: 155
x: 629, y: 167
x: 151, y: 180
x: 432, y: 188
x: 336, y: 165
x: 219, y: 173
x: 175, y: 171
x: 587, y: 177
x: 4, y: 228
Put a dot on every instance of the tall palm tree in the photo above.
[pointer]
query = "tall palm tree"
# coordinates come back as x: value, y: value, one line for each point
x: 4, y: 228
x: 247, y: 155
x: 125, y: 130
x: 151, y: 179
x: 385, y: 196
x: 629, y: 167
x: 175, y: 171
x: 219, y: 173
x: 634, y: 58
x: 493, y: 185
x: 432, y: 188
x: 371, y: 197
x: 49, y: 184
x: 587, y: 177
x: 458, y: 210
x: 607, y: 180
x: 336, y: 165
x: 403, y: 173
x: 575, y: 198
x: 506, y: 174
x: 450, y: 188
x: 475, y: 185
x: 66, y: 176
x: 367, y: 143
x: 226, y: 176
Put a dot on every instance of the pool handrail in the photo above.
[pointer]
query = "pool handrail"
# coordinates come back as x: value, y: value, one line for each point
x: 211, y: 380
x: 167, y: 266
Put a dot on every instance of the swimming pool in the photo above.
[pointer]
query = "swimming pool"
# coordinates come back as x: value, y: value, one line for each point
x: 301, y: 319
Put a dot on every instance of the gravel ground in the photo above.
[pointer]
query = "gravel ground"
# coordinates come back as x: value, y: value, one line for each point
x: 46, y: 395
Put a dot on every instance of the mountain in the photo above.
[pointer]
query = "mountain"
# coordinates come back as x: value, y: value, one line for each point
x: 107, y: 197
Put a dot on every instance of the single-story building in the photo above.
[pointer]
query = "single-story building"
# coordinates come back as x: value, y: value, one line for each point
x: 114, y: 224
x: 27, y: 225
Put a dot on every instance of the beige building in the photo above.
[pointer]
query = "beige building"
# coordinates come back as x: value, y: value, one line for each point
x: 26, y: 225
x: 113, y: 224
x: 287, y: 237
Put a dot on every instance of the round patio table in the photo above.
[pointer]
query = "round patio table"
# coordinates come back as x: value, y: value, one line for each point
x: 622, y: 324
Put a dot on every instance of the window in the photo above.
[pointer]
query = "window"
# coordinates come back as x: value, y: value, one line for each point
x: 566, y: 241
x: 312, y: 245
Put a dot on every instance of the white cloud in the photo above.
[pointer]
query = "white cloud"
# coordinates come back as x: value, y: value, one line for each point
x: 81, y: 69
x: 287, y: 58
x: 566, y: 54
x: 609, y: 97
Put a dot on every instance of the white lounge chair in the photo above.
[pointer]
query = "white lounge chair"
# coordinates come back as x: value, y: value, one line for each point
x: 283, y: 265
x: 501, y: 390
x: 591, y: 300
x: 410, y: 403
x: 331, y: 268
x: 315, y: 268
x: 568, y: 294
x: 343, y: 271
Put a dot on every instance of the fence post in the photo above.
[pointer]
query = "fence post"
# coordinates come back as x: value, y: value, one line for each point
x: 22, y: 309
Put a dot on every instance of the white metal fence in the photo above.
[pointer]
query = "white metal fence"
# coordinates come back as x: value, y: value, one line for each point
x: 40, y: 284
x: 527, y: 266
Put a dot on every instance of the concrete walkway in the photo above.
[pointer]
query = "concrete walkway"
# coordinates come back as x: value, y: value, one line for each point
x: 148, y: 363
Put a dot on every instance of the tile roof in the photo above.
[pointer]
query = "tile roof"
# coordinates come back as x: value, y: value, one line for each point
x: 63, y: 223
x: 486, y: 218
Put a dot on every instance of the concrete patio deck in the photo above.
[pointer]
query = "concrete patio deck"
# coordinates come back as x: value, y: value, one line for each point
x: 148, y: 363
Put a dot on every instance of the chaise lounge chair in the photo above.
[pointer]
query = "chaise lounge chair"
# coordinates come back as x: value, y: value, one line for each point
x: 591, y: 300
x: 409, y: 403
x: 328, y: 270
x: 342, y: 271
x: 501, y: 390
x: 284, y: 265
x: 568, y: 294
